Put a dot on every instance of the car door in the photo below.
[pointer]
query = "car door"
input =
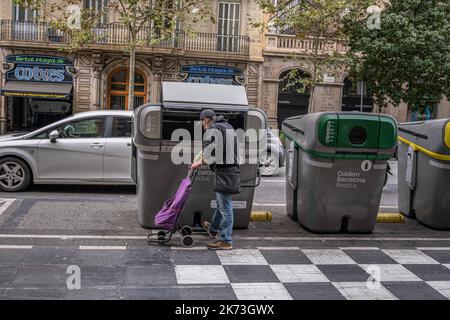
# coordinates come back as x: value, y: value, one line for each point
x: 76, y: 155
x: 117, y: 156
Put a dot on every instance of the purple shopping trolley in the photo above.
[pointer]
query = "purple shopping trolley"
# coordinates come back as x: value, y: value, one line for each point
x: 167, y: 218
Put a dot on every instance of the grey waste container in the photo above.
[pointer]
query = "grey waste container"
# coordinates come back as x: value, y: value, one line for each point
x: 158, y: 177
x: 424, y: 172
x: 336, y: 167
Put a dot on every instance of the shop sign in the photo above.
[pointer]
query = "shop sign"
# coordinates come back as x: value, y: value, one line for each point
x: 39, y: 69
x: 212, y: 74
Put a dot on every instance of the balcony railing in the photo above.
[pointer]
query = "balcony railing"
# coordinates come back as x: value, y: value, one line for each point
x: 284, y: 43
x: 116, y: 34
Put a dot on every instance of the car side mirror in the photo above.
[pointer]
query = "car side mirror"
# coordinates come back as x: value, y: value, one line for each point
x: 53, y: 135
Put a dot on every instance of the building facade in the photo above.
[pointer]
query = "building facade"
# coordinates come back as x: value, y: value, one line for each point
x: 40, y: 83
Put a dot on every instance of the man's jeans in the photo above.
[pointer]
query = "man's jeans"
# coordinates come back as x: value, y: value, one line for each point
x: 222, y: 219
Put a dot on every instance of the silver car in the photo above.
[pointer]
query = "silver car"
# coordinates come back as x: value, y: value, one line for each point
x: 87, y: 148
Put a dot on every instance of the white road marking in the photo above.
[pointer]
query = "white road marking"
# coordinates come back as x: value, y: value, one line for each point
x: 275, y: 181
x: 15, y: 247
x: 327, y: 256
x: 201, y: 274
x: 410, y: 257
x: 298, y: 273
x: 360, y: 291
x: 5, y: 205
x: 443, y: 287
x: 433, y: 248
x: 103, y: 247
x: 261, y: 291
x: 392, y: 272
x: 278, y: 248
x: 241, y: 257
x: 359, y: 248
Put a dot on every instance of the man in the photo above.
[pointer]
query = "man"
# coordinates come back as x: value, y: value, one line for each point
x: 225, y: 165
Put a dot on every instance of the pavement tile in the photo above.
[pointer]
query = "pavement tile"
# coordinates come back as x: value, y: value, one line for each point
x: 102, y: 277
x: 93, y: 294
x: 344, y: 273
x: 241, y: 257
x: 441, y: 256
x: 12, y: 257
x: 434, y: 272
x: 33, y: 294
x: 313, y: 291
x: 201, y: 274
x: 198, y: 257
x: 151, y: 275
x: 49, y: 276
x: 362, y: 291
x: 51, y: 255
x: 217, y: 292
x: 413, y: 291
x: 298, y: 273
x: 7, y: 273
x: 390, y: 272
x: 261, y: 291
x: 285, y: 257
x: 252, y: 273
x: 410, y: 257
x: 148, y: 256
x: 101, y: 258
x: 328, y: 256
x: 443, y: 287
x: 153, y: 293
x: 370, y: 257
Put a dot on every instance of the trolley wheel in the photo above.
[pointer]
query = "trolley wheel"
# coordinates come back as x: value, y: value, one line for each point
x: 187, y: 241
x: 186, y: 230
x: 161, y: 236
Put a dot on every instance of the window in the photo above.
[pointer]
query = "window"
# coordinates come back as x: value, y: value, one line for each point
x: 100, y: 7
x: 228, y: 26
x: 118, y: 89
x: 23, y: 14
x: 86, y: 128
x: 121, y: 127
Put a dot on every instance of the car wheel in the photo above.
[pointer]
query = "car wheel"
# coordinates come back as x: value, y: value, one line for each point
x: 269, y: 165
x: 14, y: 175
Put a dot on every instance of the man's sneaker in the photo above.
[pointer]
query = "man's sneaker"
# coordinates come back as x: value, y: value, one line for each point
x: 206, y: 225
x: 219, y: 245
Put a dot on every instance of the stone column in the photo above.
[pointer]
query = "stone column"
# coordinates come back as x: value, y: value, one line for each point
x: 96, y: 86
x: 270, y: 100
x: 158, y: 71
x: 327, y: 97
x: 155, y: 95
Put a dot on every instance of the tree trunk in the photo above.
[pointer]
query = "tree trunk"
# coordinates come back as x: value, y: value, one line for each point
x: 131, y: 74
x: 132, y: 66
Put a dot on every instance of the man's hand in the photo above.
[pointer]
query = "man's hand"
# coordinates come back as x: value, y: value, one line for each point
x: 196, y: 165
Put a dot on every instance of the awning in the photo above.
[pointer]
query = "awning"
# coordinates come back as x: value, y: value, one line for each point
x: 44, y: 90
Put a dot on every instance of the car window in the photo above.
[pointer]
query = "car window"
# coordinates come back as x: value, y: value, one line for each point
x: 85, y: 128
x: 121, y: 127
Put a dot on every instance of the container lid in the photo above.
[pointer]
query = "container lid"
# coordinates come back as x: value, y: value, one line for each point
x: 204, y: 95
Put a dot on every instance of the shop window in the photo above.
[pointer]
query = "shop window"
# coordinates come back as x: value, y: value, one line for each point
x: 118, y: 89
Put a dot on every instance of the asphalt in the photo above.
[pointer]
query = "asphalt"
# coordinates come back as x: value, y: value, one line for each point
x: 46, y: 229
